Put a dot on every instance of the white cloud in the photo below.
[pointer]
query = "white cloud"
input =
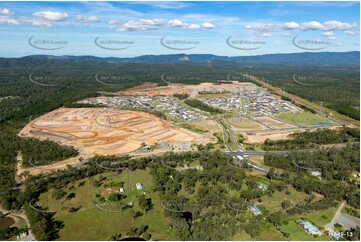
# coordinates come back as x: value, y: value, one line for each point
x: 51, y: 16
x: 151, y: 24
x: 337, y: 25
x: 143, y: 24
x: 193, y: 26
x: 352, y: 33
x: 268, y: 29
x: 37, y: 22
x: 41, y: 23
x: 291, y: 25
x: 269, y: 34
x: 328, y: 25
x: 313, y: 25
x: 8, y: 20
x: 263, y: 27
x: 87, y: 19
x: 327, y: 33
x: 5, y: 11
x: 208, y: 25
x: 265, y: 35
x: 113, y: 21
x: 176, y: 23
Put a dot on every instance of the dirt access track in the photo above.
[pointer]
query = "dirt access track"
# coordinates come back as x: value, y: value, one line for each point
x: 99, y: 131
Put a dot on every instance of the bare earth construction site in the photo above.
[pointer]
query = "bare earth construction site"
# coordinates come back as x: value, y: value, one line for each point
x: 98, y: 131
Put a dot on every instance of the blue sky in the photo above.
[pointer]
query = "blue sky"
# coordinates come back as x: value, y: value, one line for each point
x: 126, y: 29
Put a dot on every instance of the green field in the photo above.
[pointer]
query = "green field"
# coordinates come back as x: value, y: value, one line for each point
x: 273, y: 203
x: 297, y: 233
x: 307, y: 119
x: 241, y: 236
x: 91, y: 223
x: 270, y: 233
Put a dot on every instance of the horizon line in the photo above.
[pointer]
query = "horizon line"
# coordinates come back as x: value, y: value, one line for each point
x: 183, y: 54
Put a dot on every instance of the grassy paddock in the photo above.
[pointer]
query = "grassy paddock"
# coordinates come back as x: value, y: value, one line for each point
x: 307, y: 119
x: 90, y: 223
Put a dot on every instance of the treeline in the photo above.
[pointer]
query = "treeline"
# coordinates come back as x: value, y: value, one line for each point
x: 43, y: 225
x: 346, y: 110
x: 82, y: 105
x: 335, y: 167
x: 202, y: 106
x: 8, y: 232
x: 181, y: 96
x: 312, y: 139
x: 311, y: 206
x: 36, y: 152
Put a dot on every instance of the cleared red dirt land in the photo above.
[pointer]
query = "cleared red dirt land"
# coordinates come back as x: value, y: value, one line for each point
x: 107, y: 131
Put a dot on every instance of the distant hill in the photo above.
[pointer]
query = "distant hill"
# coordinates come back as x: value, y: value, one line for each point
x: 347, y: 59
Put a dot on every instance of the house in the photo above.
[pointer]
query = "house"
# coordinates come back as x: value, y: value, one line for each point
x: 121, y: 190
x: 309, y: 228
x: 316, y: 174
x: 111, y: 190
x: 22, y: 235
x: 255, y: 210
x: 139, y: 186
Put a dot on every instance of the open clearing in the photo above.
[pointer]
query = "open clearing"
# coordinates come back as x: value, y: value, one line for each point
x: 88, y: 223
x: 192, y: 90
x: 306, y: 119
x: 317, y: 218
x: 273, y: 123
x: 206, y: 125
x: 97, y: 131
x: 260, y: 137
x: 243, y: 124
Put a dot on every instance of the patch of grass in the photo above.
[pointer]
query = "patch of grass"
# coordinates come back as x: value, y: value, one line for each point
x: 244, y: 124
x: 307, y: 119
x: 91, y: 223
x: 242, y: 236
x: 270, y: 233
x: 297, y: 233
x: 273, y: 203
x: 191, y: 128
x: 317, y: 218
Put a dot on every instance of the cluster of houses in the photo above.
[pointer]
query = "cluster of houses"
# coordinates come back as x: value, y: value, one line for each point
x: 244, y: 100
x: 136, y: 102
x: 256, y: 101
x: 173, y: 108
x: 166, y: 104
